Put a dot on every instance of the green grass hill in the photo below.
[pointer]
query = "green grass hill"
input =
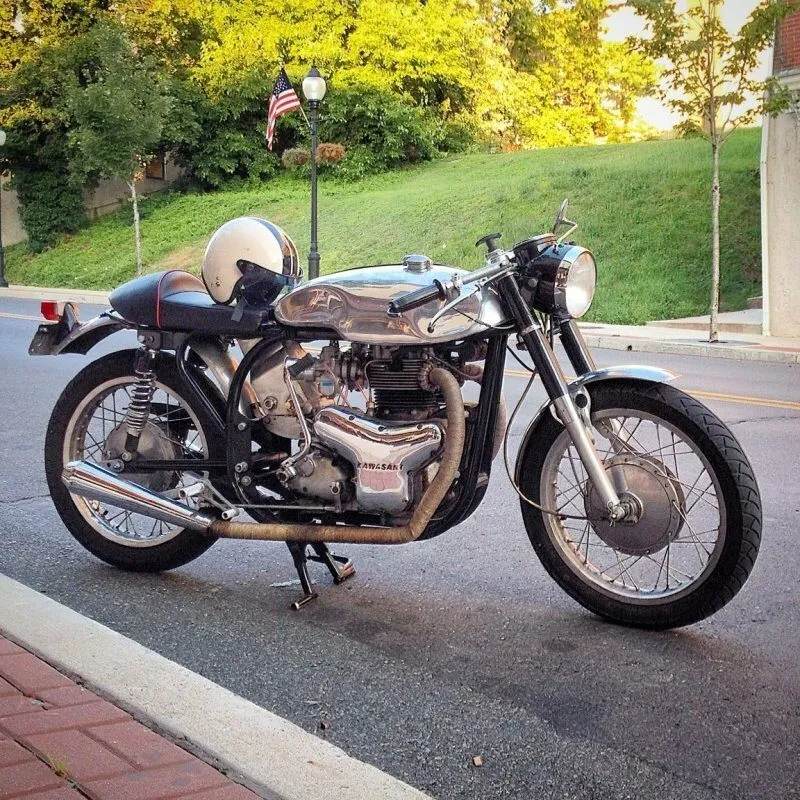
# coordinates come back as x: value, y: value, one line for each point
x: 644, y: 209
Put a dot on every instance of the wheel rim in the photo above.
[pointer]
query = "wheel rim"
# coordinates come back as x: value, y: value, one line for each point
x: 684, y: 558
x: 95, y: 421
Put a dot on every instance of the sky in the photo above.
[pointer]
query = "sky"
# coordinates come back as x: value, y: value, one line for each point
x: 624, y: 23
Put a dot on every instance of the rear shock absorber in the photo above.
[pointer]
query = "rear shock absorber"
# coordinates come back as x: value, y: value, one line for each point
x: 141, y: 396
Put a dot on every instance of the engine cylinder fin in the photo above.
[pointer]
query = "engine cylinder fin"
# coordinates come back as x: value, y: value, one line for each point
x: 397, y: 390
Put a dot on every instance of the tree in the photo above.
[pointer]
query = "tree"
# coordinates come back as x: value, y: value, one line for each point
x: 116, y: 109
x: 709, y: 80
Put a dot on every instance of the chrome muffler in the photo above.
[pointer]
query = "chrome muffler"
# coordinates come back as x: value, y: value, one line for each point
x: 92, y: 482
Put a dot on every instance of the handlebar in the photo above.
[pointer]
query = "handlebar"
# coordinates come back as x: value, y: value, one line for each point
x: 442, y: 291
x: 417, y: 298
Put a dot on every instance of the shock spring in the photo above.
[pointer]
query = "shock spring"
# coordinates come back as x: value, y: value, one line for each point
x: 141, y: 396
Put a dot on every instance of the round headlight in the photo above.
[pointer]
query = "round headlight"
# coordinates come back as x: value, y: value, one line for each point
x: 580, y: 286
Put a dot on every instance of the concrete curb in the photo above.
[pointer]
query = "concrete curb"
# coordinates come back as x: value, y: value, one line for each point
x: 65, y: 295
x: 735, y: 352
x: 265, y: 752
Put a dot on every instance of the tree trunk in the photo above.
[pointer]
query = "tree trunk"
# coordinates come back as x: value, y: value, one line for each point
x: 137, y: 234
x: 713, y: 334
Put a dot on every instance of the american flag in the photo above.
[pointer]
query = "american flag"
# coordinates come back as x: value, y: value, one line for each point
x: 283, y: 100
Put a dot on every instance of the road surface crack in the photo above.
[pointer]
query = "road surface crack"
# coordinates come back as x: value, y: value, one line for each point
x: 23, y: 499
x: 782, y: 417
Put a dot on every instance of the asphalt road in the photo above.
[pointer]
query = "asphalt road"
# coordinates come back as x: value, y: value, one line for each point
x: 462, y: 646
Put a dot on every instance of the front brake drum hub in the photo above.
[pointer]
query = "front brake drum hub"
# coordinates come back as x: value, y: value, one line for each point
x: 658, y: 493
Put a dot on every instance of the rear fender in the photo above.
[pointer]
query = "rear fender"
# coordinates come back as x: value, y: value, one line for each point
x: 629, y: 372
x: 68, y: 335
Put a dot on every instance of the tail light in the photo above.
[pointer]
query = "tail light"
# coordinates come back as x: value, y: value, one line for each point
x: 51, y: 310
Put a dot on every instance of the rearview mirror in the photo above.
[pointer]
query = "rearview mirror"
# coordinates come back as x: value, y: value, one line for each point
x: 562, y: 214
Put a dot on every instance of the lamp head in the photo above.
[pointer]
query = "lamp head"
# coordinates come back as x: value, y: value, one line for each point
x: 314, y: 85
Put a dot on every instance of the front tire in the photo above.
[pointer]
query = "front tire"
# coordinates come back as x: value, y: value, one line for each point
x: 691, y: 554
x: 88, y: 420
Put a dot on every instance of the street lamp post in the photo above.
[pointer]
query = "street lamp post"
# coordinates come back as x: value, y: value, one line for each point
x: 314, y: 90
x: 3, y: 281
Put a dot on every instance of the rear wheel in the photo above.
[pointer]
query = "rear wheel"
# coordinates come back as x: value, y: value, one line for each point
x: 698, y: 534
x: 88, y: 422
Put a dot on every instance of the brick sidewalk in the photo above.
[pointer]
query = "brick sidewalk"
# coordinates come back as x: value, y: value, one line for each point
x: 58, y: 741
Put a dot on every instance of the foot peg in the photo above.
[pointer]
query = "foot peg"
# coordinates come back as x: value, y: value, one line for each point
x: 341, y: 568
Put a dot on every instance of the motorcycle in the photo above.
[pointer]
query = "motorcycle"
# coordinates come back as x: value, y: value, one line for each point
x: 637, y: 499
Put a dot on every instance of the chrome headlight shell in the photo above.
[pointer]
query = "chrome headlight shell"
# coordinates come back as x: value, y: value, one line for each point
x: 559, y: 280
x: 581, y: 283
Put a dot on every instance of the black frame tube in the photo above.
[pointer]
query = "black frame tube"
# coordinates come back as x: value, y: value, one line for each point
x: 477, y: 458
x: 194, y: 386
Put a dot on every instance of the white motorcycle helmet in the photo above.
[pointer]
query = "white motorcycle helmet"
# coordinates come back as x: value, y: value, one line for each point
x: 249, y: 258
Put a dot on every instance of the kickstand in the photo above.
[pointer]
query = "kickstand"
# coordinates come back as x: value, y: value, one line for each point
x: 340, y: 567
x: 298, y: 551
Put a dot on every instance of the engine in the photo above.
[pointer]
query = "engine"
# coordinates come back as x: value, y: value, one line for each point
x: 370, y: 426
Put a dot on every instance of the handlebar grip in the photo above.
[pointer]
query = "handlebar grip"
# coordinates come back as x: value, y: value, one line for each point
x: 417, y: 298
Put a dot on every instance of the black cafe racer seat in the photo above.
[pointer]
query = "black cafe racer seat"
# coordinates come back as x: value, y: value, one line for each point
x: 175, y: 300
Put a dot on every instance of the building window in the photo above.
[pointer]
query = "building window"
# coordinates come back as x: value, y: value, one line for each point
x: 156, y: 169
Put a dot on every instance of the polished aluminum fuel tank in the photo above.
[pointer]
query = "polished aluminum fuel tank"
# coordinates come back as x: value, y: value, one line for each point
x: 354, y: 303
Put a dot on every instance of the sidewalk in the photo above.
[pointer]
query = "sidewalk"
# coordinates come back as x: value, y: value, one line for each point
x: 740, y: 339
x: 59, y: 741
x: 94, y: 737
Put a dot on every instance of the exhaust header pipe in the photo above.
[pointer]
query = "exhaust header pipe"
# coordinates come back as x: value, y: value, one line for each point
x: 95, y: 483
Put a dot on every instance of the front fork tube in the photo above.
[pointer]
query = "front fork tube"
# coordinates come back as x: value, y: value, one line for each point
x: 575, y: 346
x: 582, y: 362
x: 555, y: 385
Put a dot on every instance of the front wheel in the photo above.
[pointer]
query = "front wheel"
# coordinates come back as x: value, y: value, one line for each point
x: 698, y: 532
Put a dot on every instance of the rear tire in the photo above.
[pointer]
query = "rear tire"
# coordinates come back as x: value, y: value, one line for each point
x: 93, y: 524
x: 596, y: 565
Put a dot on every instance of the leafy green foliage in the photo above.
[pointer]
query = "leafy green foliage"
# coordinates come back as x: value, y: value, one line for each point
x: 115, y: 107
x: 49, y: 205
x: 393, y: 132
x: 32, y: 108
x: 709, y: 77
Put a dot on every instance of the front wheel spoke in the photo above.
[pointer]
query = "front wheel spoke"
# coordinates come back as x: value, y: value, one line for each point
x: 700, y: 493
x: 694, y: 537
x: 630, y: 437
x: 570, y: 483
x: 584, y: 535
x: 579, y: 480
x: 677, y: 574
x: 565, y: 501
x: 624, y: 568
x: 660, y: 569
